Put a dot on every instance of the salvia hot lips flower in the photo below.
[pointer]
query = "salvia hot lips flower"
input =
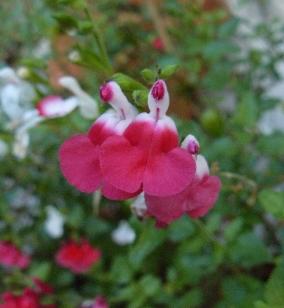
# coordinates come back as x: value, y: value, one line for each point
x: 147, y: 156
x: 126, y: 155
x: 79, y: 257
x: 80, y: 155
x: 195, y: 200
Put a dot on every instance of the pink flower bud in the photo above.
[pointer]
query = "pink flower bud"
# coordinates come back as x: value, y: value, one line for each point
x: 193, y: 147
x: 106, y: 92
x: 158, y: 90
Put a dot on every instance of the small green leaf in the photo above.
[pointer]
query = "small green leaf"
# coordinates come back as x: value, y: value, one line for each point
x: 140, y: 97
x: 127, y: 83
x: 149, y: 75
x: 249, y: 251
x: 272, y: 202
x: 169, y: 70
x: 274, y: 292
x: 246, y: 113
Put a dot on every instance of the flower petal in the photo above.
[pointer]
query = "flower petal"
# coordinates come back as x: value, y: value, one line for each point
x: 168, y: 173
x: 79, y: 163
x: 202, y: 197
x: 113, y: 193
x: 122, y: 164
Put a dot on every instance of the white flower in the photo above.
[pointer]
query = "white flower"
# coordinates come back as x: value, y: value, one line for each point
x: 23, y: 72
x: 138, y: 206
x: 272, y: 121
x: 88, y: 106
x: 16, y: 96
x: 56, y: 106
x: 43, y: 49
x: 3, y: 149
x: 74, y: 56
x: 124, y: 234
x: 21, y: 144
x: 54, y: 223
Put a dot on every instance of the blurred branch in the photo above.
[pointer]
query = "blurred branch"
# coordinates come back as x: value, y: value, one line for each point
x: 99, y: 40
x: 159, y: 24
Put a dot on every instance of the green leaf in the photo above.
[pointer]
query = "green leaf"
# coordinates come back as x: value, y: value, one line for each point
x: 149, y: 75
x: 127, y: 83
x: 246, y: 113
x: 148, y: 241
x: 65, y: 21
x: 272, y: 202
x: 169, y: 70
x: 233, y: 229
x: 249, y: 251
x: 274, y: 292
x: 140, y: 97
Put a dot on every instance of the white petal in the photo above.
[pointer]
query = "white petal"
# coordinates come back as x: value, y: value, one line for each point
x: 55, y: 106
x: 272, y: 121
x: 124, y: 234
x: 88, y: 106
x: 21, y: 144
x: 7, y: 74
x: 43, y: 48
x: 202, y: 168
x: 54, y: 223
x: 10, y: 101
x: 138, y: 207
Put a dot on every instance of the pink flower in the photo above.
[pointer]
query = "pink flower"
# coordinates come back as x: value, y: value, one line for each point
x: 28, y: 299
x: 42, y: 287
x: 195, y: 200
x: 11, y: 256
x: 100, y: 302
x: 56, y: 106
x: 148, y: 155
x: 80, y: 155
x: 158, y: 44
x: 78, y: 257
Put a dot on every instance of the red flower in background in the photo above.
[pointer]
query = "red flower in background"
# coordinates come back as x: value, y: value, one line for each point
x: 42, y: 287
x: 158, y: 44
x: 79, y: 257
x: 28, y: 299
x: 10, y: 255
x: 100, y: 302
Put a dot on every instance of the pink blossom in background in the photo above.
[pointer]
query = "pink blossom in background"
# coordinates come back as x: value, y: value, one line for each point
x: 11, y: 256
x: 158, y: 44
x: 78, y: 257
x: 42, y: 287
x: 28, y: 299
x: 100, y: 302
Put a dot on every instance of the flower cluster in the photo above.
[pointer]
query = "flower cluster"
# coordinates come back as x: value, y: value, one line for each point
x: 17, y: 96
x: 11, y: 256
x: 78, y: 257
x: 125, y: 154
x: 31, y: 297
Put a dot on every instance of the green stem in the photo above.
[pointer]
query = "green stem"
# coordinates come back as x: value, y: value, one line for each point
x: 99, y: 41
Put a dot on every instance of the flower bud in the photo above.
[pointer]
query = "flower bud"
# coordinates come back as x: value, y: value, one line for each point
x: 106, y: 92
x: 158, y: 90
